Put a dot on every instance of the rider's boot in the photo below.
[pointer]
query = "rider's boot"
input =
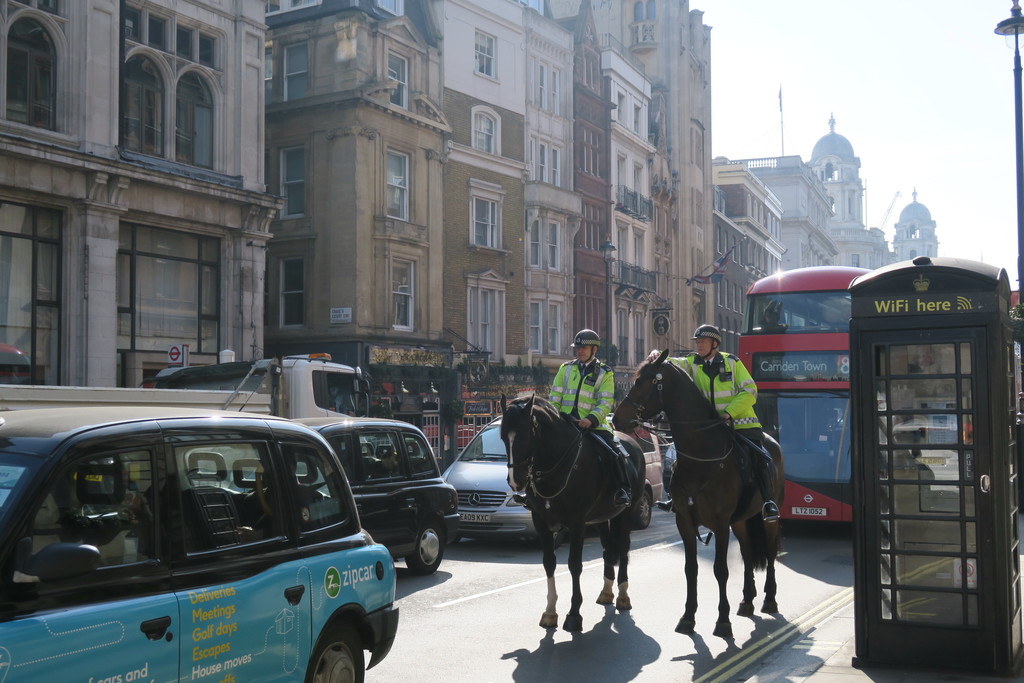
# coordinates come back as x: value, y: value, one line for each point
x: 665, y: 505
x: 769, y: 511
x: 521, y: 499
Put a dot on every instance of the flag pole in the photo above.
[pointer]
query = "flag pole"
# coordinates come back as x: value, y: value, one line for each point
x: 782, y: 133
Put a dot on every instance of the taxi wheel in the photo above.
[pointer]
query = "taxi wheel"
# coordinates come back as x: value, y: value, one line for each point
x: 338, y: 657
x: 426, y: 556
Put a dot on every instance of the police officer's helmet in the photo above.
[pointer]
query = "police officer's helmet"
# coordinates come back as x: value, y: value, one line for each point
x: 708, y: 332
x: 586, y: 338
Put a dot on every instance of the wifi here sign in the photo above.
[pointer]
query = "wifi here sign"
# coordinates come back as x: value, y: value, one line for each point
x: 924, y: 304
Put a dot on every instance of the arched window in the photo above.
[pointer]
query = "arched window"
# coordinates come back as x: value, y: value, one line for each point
x: 652, y: 10
x: 638, y: 11
x: 31, y: 78
x: 144, y: 110
x: 193, y: 127
x: 485, y: 129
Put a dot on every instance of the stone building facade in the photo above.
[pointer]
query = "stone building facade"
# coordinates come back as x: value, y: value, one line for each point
x: 132, y: 202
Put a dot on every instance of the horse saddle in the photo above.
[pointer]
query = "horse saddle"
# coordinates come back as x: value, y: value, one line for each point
x: 747, y: 450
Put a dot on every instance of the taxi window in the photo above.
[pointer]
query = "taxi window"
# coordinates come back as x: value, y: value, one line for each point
x: 421, y: 460
x: 102, y: 500
x: 10, y: 475
x: 319, y: 486
x: 227, y: 495
x: 380, y: 455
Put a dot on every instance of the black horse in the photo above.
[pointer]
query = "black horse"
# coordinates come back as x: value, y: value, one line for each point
x: 565, y: 475
x: 709, y: 487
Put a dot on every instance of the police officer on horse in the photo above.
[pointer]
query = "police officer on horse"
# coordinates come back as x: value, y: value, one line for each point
x: 726, y: 383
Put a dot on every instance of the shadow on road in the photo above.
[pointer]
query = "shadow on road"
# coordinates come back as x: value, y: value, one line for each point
x: 614, y: 650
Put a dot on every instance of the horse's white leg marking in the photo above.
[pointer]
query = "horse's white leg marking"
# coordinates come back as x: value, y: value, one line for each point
x: 552, y: 595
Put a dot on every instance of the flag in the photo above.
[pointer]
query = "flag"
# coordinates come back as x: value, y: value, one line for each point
x: 780, y: 97
x: 717, y: 271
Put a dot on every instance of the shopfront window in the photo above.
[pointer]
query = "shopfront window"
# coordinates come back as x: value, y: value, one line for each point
x: 29, y: 294
x: 167, y: 290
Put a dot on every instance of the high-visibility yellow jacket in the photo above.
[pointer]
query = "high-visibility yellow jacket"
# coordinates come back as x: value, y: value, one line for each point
x: 731, y: 391
x: 596, y: 392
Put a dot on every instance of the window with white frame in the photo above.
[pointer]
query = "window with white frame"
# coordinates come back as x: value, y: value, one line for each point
x: 296, y: 72
x: 536, y: 253
x: 398, y: 186
x: 402, y: 294
x: 541, y: 172
x: 554, y: 245
x: 485, y: 313
x: 485, y: 54
x: 639, y: 240
x: 486, y: 317
x: 484, y: 128
x: 31, y: 82
x: 293, y: 181
x: 541, y: 97
x: 293, y: 292
x: 639, y: 342
x: 536, y: 327
x: 274, y: 6
x: 485, y: 223
x: 268, y: 74
x: 555, y: 91
x: 554, y: 323
x: 554, y: 170
x: 193, y: 124
x: 398, y: 71
x: 396, y: 7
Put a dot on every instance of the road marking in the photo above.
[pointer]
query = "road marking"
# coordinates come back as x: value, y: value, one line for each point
x: 774, y: 640
x: 599, y: 562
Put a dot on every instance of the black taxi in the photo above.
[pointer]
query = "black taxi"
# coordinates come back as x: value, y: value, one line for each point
x: 171, y: 544
x: 403, y: 501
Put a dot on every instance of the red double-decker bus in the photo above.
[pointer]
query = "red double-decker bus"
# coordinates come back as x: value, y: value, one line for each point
x: 795, y: 342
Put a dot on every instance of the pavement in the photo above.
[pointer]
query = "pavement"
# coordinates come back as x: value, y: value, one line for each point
x: 836, y: 635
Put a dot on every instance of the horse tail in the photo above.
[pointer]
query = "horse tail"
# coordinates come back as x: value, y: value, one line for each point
x: 758, y: 542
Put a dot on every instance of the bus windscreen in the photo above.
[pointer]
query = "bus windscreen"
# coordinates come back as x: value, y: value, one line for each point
x: 798, y: 313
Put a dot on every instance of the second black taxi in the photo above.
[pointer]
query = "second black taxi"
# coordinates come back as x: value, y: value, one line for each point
x: 403, y: 502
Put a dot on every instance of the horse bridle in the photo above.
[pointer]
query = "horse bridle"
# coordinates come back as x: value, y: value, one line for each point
x: 533, y: 474
x: 708, y: 424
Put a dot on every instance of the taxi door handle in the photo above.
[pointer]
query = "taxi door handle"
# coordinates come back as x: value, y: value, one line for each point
x: 294, y: 594
x: 155, y: 628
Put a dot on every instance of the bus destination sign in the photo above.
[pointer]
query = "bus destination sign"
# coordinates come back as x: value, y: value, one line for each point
x: 801, y: 366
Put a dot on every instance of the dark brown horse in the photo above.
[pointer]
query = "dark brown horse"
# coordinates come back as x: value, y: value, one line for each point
x: 565, y: 475
x: 708, y: 487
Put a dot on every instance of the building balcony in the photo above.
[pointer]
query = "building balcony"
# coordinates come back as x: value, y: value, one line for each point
x: 632, y: 203
x: 634, y: 279
x: 643, y: 36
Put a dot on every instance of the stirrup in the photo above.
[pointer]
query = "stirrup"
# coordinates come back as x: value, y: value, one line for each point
x: 770, y: 511
x: 521, y: 499
x: 665, y: 505
x: 622, y: 497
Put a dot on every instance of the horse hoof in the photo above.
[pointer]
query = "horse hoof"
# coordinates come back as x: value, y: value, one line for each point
x: 573, y: 623
x: 723, y: 629
x: 685, y: 625
x: 770, y: 607
x: 746, y: 609
x: 549, y: 620
x: 605, y: 598
x: 623, y: 604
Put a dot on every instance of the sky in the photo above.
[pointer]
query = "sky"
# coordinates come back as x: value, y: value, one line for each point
x: 922, y: 90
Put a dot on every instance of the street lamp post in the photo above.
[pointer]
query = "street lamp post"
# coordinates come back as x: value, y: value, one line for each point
x: 606, y: 250
x: 1014, y: 26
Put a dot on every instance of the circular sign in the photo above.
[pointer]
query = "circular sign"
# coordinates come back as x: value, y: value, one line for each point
x: 661, y: 324
x: 174, y: 354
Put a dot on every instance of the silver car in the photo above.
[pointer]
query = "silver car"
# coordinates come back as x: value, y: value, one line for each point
x: 486, y: 507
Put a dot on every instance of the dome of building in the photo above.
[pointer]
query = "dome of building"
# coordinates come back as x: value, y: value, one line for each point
x: 915, y: 211
x: 833, y: 144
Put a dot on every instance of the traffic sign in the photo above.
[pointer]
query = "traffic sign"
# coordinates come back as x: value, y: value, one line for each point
x: 177, y: 355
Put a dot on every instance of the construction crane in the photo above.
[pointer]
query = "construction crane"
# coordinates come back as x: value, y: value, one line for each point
x: 885, y: 217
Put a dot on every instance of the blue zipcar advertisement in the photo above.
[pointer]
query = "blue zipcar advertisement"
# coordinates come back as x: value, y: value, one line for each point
x: 256, y: 629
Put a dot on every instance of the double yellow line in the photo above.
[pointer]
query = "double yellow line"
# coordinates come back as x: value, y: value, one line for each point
x: 776, y: 639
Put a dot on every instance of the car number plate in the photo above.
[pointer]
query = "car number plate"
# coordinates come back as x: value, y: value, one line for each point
x: 474, y: 517
x: 810, y: 512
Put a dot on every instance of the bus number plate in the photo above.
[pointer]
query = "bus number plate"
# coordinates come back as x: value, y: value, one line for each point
x: 810, y: 512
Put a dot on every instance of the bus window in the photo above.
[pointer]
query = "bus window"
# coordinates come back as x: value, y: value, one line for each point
x: 798, y: 312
